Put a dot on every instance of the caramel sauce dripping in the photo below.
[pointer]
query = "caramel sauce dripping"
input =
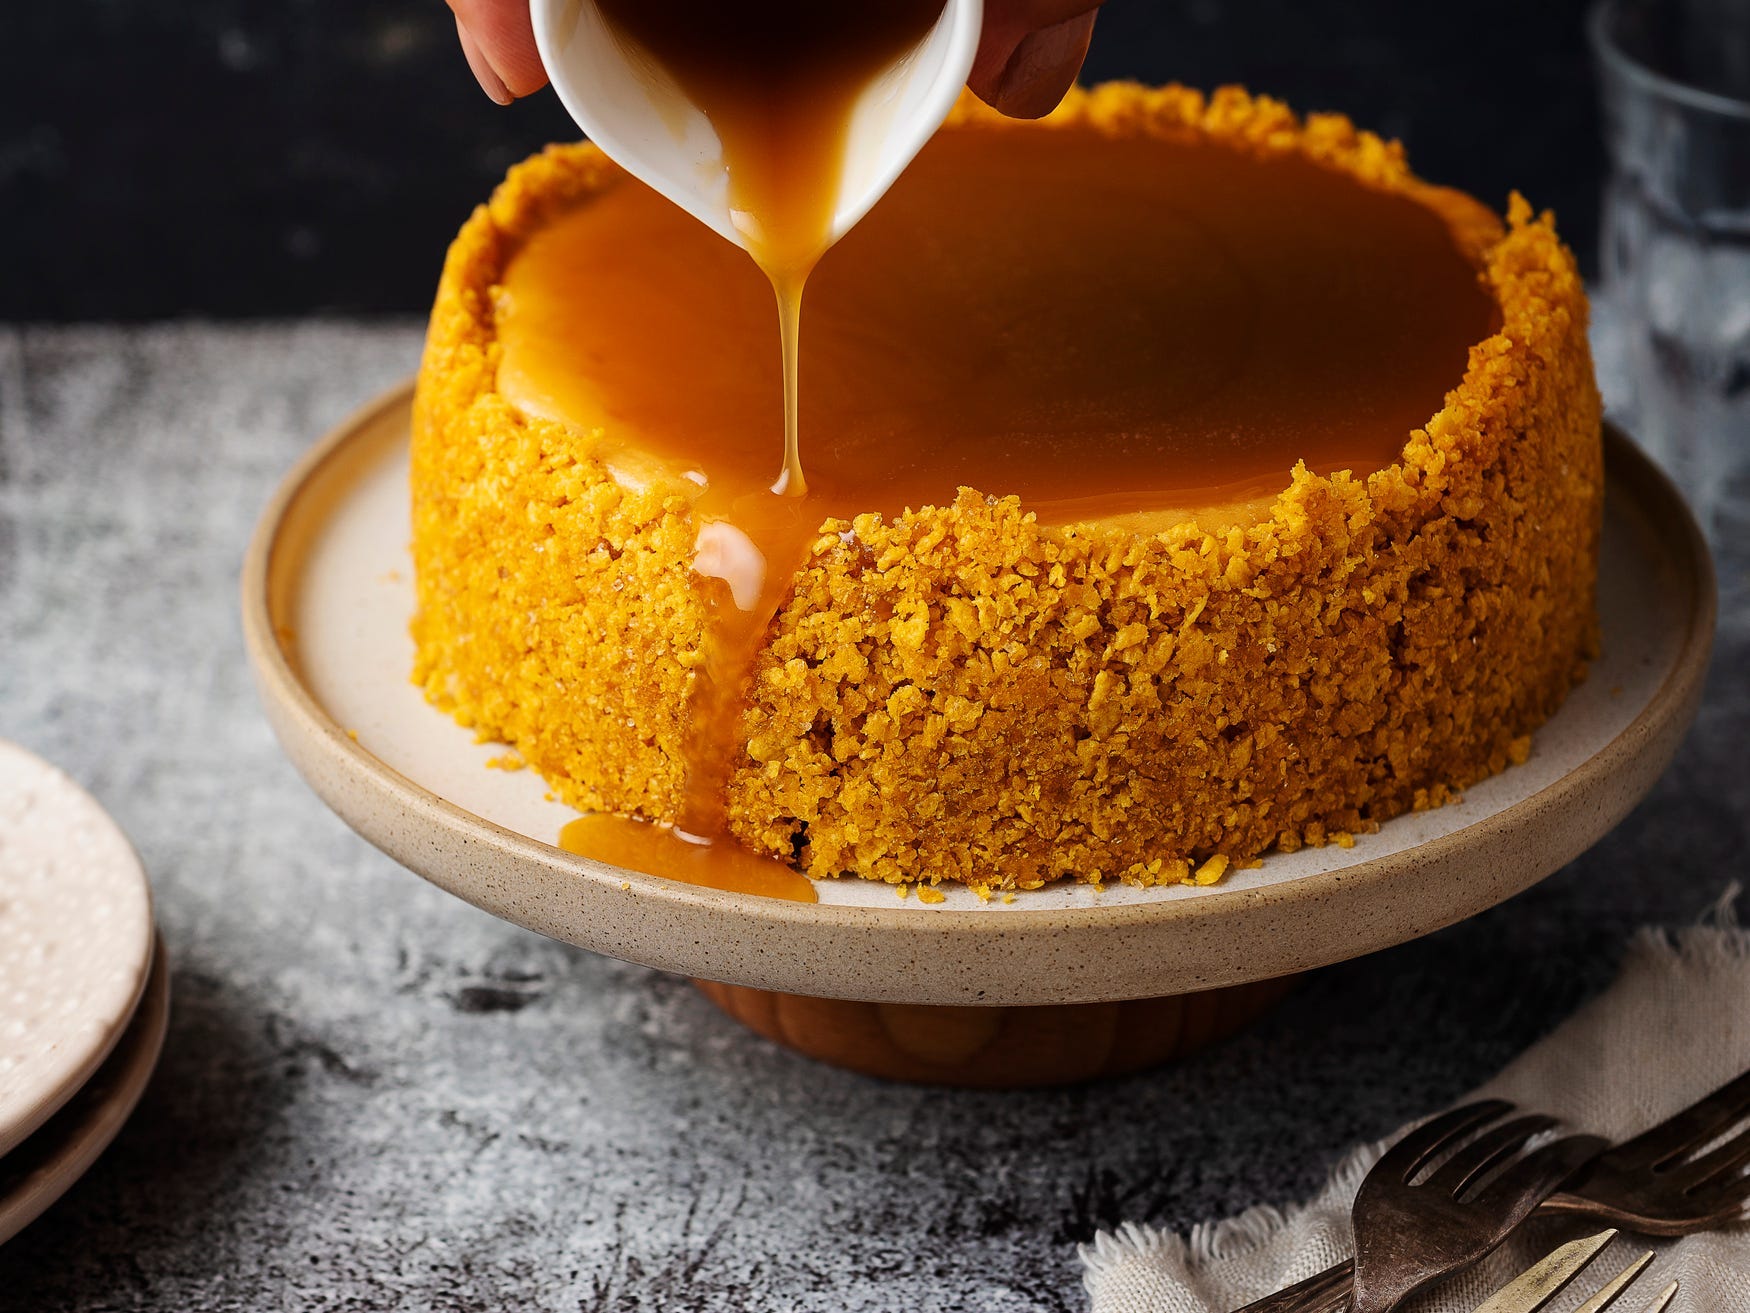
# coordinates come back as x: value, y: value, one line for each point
x: 779, y: 80
x: 1130, y: 330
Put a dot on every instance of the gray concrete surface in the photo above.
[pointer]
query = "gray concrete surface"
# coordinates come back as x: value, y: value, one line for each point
x: 377, y: 1097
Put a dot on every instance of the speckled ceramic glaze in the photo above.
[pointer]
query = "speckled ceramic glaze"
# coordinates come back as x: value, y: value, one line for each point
x: 75, y: 939
x: 45, y: 1166
x: 326, y: 598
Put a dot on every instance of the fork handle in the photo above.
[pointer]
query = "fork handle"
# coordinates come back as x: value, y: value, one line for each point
x: 1328, y: 1292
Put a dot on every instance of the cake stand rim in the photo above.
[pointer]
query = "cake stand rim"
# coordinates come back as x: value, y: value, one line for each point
x: 444, y: 842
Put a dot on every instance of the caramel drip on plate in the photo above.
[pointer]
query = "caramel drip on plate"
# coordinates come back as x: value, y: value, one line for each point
x: 1111, y: 329
x: 663, y: 850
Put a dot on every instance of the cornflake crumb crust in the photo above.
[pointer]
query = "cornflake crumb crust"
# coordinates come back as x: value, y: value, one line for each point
x: 960, y: 693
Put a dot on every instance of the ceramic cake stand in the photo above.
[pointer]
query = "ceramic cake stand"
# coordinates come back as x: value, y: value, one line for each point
x: 1061, y: 983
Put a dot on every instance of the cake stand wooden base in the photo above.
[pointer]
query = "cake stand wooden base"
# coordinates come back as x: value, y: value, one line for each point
x: 998, y: 1047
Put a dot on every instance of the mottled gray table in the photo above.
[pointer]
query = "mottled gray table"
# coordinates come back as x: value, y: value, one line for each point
x: 375, y: 1096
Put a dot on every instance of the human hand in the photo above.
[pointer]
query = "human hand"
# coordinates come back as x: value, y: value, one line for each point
x: 1028, y: 55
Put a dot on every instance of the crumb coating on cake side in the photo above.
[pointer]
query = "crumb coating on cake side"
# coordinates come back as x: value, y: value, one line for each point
x: 960, y: 693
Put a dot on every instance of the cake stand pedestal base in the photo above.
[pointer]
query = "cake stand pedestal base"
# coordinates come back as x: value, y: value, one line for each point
x: 998, y: 1047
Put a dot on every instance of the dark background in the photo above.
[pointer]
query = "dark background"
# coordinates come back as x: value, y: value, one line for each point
x: 273, y: 157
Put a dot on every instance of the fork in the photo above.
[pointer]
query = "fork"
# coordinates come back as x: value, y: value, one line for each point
x: 1643, y: 1185
x: 1650, y: 1184
x: 1533, y: 1288
x: 1409, y: 1233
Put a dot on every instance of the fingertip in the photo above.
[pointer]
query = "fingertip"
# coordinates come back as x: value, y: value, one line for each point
x: 484, y: 73
x: 503, y: 37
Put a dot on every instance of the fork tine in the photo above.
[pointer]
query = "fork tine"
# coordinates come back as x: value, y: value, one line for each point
x: 1721, y: 1202
x: 1410, y: 1154
x: 1484, y: 1152
x: 1548, y: 1277
x: 1662, y: 1300
x: 1607, y: 1293
x: 1691, y: 1128
x: 1715, y: 1163
x: 1714, y: 1208
x: 1531, y: 1180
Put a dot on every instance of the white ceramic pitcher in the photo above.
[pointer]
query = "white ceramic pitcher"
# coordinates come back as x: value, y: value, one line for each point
x: 653, y: 132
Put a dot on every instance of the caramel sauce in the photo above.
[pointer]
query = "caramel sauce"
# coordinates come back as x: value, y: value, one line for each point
x: 1129, y: 330
x: 1099, y: 326
x: 663, y: 850
x: 779, y: 81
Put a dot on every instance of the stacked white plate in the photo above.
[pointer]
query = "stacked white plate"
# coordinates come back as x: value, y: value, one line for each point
x: 84, y: 986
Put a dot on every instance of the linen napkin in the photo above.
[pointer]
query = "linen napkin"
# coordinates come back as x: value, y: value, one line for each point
x: 1674, y: 1025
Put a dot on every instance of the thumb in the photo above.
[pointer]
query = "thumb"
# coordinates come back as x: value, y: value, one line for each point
x: 1023, y: 71
x: 498, y: 38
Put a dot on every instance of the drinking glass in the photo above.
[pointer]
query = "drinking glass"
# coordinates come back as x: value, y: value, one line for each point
x: 1674, y: 76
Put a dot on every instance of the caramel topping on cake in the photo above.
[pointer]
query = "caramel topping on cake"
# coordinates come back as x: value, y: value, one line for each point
x: 1097, y: 325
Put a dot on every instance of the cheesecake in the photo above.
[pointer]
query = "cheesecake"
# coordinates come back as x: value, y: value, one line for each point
x: 1186, y: 481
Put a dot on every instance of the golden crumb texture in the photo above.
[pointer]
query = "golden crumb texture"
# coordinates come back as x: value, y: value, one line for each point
x: 959, y: 693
